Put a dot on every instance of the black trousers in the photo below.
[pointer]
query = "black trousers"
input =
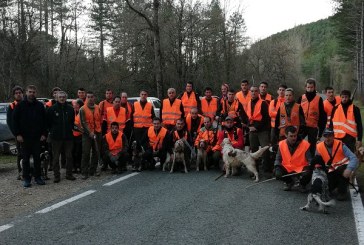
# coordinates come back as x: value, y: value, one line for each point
x: 311, y: 134
x: 140, y: 135
x: 337, y: 180
x: 305, y: 177
x: 350, y: 142
x: 113, y: 164
x: 149, y: 155
x: 18, y: 156
x: 77, y: 152
x: 31, y: 147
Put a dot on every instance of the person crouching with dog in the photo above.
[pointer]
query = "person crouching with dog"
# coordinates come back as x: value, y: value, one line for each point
x: 156, y: 143
x: 293, y: 157
x: 228, y: 131
x: 115, y: 145
x: 207, y: 134
x: 340, y: 162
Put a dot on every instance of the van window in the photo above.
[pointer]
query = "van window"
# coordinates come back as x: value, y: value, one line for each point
x: 157, y: 103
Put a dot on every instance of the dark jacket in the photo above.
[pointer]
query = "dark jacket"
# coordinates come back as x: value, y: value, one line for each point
x: 9, y: 116
x: 29, y: 120
x: 60, y: 121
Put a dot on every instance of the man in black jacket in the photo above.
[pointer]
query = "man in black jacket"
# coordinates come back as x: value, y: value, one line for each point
x: 18, y: 96
x: 29, y: 121
x: 60, y: 122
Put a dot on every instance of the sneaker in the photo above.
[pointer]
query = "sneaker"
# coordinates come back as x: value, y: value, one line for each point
x: 56, y: 179
x: 26, y: 183
x: 70, y: 177
x: 39, y: 181
x: 288, y: 186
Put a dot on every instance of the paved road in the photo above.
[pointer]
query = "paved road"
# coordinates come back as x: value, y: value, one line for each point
x: 161, y: 208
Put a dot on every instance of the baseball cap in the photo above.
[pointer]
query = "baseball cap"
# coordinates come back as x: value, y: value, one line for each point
x: 328, y: 131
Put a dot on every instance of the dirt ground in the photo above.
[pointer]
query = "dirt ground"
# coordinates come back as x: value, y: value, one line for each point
x: 14, y: 199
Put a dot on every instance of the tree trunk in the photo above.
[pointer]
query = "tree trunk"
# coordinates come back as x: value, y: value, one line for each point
x: 157, y: 50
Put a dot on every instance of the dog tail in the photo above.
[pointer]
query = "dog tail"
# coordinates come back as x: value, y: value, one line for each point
x: 259, y: 152
x: 319, y: 201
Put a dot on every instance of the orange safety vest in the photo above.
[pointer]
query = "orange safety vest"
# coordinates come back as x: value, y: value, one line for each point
x: 111, y: 117
x: 93, y: 119
x: 311, y: 111
x: 230, y: 110
x: 156, y: 140
x: 244, y: 100
x: 188, y: 102
x: 339, y: 158
x: 49, y: 103
x: 256, y: 115
x: 128, y: 110
x: 13, y: 104
x: 268, y: 98
x: 78, y: 124
x: 176, y: 136
x: 342, y: 124
x: 115, y: 146
x: 285, y: 121
x: 103, y: 106
x: 273, y: 109
x: 209, y: 109
x: 142, y: 117
x: 297, y: 161
x: 328, y: 108
x: 208, y: 136
x: 189, y: 122
x: 170, y: 112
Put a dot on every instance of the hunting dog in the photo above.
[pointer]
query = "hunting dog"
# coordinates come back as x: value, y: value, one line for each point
x: 45, y: 161
x: 319, y: 191
x: 137, y: 156
x: 178, y: 155
x: 201, y: 154
x: 360, y: 155
x: 234, y: 158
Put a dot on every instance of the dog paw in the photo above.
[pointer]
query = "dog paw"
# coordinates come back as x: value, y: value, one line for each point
x: 303, y: 208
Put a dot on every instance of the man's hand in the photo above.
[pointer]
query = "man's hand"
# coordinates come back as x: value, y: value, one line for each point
x: 252, y: 129
x: 20, y: 139
x: 43, y: 138
x: 347, y: 173
x: 278, y: 173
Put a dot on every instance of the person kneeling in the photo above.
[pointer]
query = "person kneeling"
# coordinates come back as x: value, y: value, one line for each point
x: 116, y: 147
x: 293, y: 156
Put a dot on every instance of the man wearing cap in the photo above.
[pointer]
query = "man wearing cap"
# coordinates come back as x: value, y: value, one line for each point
x: 229, y: 131
x: 340, y: 163
x: 293, y: 156
x: 346, y: 122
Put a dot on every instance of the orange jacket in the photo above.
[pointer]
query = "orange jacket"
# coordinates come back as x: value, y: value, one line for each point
x: 188, y: 102
x: 142, y: 117
x: 256, y: 115
x: 328, y: 108
x: 273, y: 110
x: 189, y: 122
x: 339, y: 158
x: 93, y: 119
x: 236, y: 137
x: 243, y: 100
x: 114, y: 146
x: 111, y: 117
x: 297, y: 161
x: 311, y: 111
x: 209, y: 109
x: 208, y: 136
x: 170, y: 112
x: 344, y: 124
x: 78, y: 124
x: 156, y: 140
x: 285, y: 121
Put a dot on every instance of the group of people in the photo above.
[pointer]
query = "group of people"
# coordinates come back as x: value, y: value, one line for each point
x: 85, y: 133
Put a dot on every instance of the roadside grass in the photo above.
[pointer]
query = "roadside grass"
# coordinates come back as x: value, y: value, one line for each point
x: 7, y: 159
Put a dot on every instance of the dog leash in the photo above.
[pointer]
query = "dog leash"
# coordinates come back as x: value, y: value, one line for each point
x: 268, y: 180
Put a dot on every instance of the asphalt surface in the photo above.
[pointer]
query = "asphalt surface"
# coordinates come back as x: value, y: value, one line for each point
x: 162, y: 208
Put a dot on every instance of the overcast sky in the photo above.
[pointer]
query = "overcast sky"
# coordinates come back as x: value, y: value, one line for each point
x: 266, y: 17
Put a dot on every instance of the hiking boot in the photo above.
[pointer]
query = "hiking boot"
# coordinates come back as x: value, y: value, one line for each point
x: 70, y: 177
x: 39, y: 181
x: 288, y: 186
x: 26, y: 183
x: 57, y: 179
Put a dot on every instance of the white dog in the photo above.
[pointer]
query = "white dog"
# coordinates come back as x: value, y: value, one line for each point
x: 201, y: 155
x: 178, y: 156
x: 234, y: 158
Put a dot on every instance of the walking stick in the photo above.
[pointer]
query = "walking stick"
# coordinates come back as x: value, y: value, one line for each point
x: 267, y: 180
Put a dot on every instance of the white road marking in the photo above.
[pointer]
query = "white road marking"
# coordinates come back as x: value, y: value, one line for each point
x: 120, y: 179
x: 5, y: 227
x: 358, y: 211
x: 60, y: 204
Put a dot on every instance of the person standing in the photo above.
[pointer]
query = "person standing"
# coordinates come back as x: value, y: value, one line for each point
x: 106, y: 103
x: 346, y: 122
x: 129, y: 111
x: 263, y: 94
x: 53, y: 101
x: 194, y: 121
x: 190, y: 99
x: 60, y: 121
x: 29, y: 120
x: 77, y: 137
x: 18, y: 96
x: 90, y: 117
x: 232, y: 108
x: 209, y: 104
x: 171, y: 110
x: 315, y: 116
x: 116, y: 113
x: 273, y: 110
x: 81, y: 94
x: 330, y: 102
x: 244, y: 95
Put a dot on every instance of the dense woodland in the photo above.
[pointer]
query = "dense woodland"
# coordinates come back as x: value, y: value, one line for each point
x: 127, y: 45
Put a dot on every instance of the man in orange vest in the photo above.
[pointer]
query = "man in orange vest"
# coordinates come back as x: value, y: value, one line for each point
x: 194, y: 121
x: 115, y: 145
x: 106, y: 103
x: 346, y: 122
x: 77, y: 137
x: 330, y: 102
x: 171, y: 110
x: 18, y: 96
x: 190, y: 99
x: 232, y: 108
x: 156, y: 144
x: 273, y: 110
x: 209, y: 135
x: 315, y: 115
x: 293, y: 156
x: 51, y: 102
x: 289, y: 114
x: 244, y: 95
x: 116, y: 113
x: 209, y: 104
x: 81, y: 94
x: 90, y: 118
x: 142, y: 118
x: 263, y: 94
x: 258, y: 121
x: 340, y: 162
x: 129, y: 110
